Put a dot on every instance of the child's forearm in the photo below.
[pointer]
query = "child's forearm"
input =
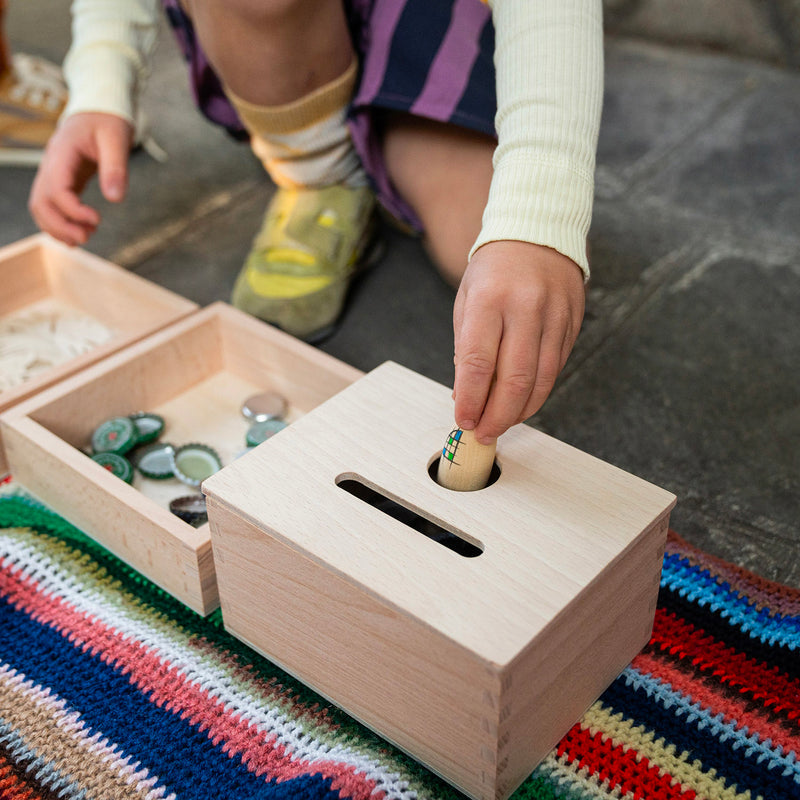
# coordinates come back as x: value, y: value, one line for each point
x: 549, y: 62
x: 107, y: 63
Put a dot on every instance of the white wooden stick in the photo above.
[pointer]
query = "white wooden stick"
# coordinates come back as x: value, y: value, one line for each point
x: 465, y: 464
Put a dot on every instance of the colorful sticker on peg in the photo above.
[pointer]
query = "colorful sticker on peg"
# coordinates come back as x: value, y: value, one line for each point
x: 453, y: 440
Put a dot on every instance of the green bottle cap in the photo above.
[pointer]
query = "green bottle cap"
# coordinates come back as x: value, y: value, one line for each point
x: 261, y: 431
x: 193, y: 463
x: 155, y: 460
x: 117, y: 435
x: 116, y: 465
x: 148, y: 426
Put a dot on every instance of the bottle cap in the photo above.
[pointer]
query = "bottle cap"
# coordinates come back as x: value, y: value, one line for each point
x: 115, y: 435
x: 193, y: 463
x: 190, y: 508
x: 116, y: 465
x: 263, y: 406
x: 261, y: 431
x: 148, y: 426
x: 155, y: 460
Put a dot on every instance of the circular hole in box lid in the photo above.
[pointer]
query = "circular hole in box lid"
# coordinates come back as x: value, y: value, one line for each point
x: 116, y: 435
x: 115, y: 464
x: 155, y: 460
x: 263, y: 430
x: 148, y: 426
x: 193, y: 463
x: 264, y: 406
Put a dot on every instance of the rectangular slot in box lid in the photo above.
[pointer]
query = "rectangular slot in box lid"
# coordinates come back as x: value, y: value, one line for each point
x: 474, y: 662
x: 99, y: 307
x: 196, y: 374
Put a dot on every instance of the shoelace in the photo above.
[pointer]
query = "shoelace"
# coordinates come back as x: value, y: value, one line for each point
x: 39, y: 83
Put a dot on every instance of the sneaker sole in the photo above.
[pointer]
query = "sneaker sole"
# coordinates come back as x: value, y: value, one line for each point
x: 373, y: 253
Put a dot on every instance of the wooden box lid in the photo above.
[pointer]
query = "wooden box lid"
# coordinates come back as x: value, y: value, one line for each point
x: 552, y: 523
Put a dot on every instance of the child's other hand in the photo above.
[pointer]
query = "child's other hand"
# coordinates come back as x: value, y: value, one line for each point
x: 517, y: 314
x: 84, y: 144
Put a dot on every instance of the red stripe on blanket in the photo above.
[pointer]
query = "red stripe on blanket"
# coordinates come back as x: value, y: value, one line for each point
x: 623, y: 768
x: 737, y: 712
x: 261, y: 753
x: 774, y: 689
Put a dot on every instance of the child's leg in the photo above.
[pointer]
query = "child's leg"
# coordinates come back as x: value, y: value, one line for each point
x: 289, y: 69
x: 273, y: 53
x: 443, y: 172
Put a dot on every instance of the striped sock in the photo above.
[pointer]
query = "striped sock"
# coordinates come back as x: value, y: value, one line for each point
x: 306, y: 143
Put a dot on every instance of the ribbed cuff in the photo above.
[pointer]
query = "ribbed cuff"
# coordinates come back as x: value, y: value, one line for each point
x: 99, y: 80
x: 542, y: 202
x: 299, y: 114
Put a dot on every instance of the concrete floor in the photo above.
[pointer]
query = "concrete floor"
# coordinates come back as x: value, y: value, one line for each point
x: 686, y: 371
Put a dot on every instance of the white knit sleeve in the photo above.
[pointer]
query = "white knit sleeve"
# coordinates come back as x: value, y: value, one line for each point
x: 107, y: 62
x: 549, y: 65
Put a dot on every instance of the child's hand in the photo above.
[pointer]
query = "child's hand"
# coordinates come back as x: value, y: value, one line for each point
x: 517, y: 314
x: 82, y: 145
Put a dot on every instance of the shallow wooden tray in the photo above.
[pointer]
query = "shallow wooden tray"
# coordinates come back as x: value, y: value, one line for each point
x: 475, y: 662
x: 196, y: 374
x: 40, y: 269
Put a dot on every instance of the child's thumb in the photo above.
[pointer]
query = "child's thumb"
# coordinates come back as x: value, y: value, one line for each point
x: 112, y: 164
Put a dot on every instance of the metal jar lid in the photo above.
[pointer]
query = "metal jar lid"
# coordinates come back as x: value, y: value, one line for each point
x: 190, y: 508
x: 264, y: 406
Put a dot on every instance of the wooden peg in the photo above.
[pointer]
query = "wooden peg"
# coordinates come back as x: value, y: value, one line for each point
x: 465, y: 465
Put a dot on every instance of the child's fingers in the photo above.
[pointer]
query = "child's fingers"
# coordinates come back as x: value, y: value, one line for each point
x: 53, y: 221
x: 477, y: 340
x: 547, y: 370
x: 519, y: 365
x: 113, y: 144
x: 69, y: 206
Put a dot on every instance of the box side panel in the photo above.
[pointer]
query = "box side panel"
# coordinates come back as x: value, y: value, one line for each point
x: 426, y: 694
x: 283, y: 363
x: 22, y: 276
x: 114, y: 514
x: 39, y: 268
x: 24, y: 281
x: 569, y: 666
x: 137, y: 379
x: 125, y: 302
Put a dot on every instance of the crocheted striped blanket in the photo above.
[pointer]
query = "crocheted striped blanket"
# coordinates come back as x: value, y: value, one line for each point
x: 109, y: 688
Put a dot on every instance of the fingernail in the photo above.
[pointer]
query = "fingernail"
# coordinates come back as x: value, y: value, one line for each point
x: 114, y: 191
x: 467, y: 424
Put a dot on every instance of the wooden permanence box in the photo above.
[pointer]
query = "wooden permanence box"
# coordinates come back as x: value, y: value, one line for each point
x: 39, y: 274
x: 195, y: 374
x: 475, y: 660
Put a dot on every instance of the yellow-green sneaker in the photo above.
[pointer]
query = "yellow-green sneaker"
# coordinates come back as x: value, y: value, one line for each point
x: 311, y: 245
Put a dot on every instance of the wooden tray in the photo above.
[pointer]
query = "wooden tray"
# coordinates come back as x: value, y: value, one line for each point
x: 475, y: 662
x: 39, y: 270
x: 196, y: 374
